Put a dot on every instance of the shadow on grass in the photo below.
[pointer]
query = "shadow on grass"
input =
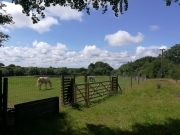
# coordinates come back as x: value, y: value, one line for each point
x: 64, y: 125
x: 171, y: 127
x: 46, y: 89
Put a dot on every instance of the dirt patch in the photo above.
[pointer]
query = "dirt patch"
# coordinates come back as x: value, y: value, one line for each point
x: 177, y: 96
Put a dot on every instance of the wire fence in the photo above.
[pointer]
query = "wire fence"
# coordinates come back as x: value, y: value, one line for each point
x: 23, y: 88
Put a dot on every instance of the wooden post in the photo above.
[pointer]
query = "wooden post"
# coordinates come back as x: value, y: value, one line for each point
x: 87, y: 93
x: 74, y: 91
x: 5, y: 100
x: 112, y: 86
x: 62, y: 89
x: 116, y: 83
x: 131, y: 81
x: 85, y: 78
x: 74, y: 78
x: 86, y: 90
x: 1, y: 93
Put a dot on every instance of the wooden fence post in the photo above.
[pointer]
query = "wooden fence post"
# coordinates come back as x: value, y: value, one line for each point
x: 72, y: 90
x: 116, y: 83
x: 1, y: 94
x: 112, y: 84
x: 74, y: 93
x: 5, y: 99
x: 131, y: 81
x: 86, y: 90
x: 62, y: 90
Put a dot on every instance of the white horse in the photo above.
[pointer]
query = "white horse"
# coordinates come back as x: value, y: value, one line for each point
x: 91, y: 78
x: 44, y: 80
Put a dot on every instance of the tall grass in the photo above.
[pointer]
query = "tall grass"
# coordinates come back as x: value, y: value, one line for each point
x: 142, y: 110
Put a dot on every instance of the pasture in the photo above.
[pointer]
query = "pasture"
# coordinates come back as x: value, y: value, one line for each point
x: 24, y: 89
x: 145, y: 109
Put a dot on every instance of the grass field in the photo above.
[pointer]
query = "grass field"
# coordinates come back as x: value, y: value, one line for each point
x: 150, y: 108
x: 24, y: 89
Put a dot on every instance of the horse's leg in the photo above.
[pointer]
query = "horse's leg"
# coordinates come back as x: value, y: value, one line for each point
x: 40, y: 86
x: 46, y: 86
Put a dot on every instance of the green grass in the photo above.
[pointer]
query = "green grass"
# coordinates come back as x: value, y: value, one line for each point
x: 24, y: 89
x: 142, y: 110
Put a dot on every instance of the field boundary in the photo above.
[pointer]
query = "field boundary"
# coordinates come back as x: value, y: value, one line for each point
x: 3, y: 98
x: 73, y: 93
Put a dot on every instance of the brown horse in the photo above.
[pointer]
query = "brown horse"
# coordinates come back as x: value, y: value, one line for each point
x: 44, y: 80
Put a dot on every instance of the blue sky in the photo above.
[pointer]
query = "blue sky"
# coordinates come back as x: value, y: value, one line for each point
x: 67, y: 38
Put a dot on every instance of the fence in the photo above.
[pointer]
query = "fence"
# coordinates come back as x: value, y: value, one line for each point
x: 23, y: 89
x: 33, y: 109
x: 3, y: 99
x: 73, y: 93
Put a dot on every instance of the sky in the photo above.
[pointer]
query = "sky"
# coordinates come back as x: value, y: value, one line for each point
x: 72, y: 39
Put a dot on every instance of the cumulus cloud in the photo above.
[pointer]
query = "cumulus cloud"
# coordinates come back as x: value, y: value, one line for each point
x: 121, y: 38
x: 65, y: 13
x: 22, y: 21
x: 148, y: 51
x: 3, y: 29
x: 42, y: 54
x: 153, y: 27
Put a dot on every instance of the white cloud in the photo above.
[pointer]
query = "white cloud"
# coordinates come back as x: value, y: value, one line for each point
x: 153, y: 27
x: 91, y: 51
x: 148, y: 51
x: 121, y: 38
x: 22, y: 21
x: 42, y: 54
x: 64, y: 13
x: 3, y: 29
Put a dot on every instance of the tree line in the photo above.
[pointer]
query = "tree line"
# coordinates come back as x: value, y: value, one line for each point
x: 99, y: 68
x: 167, y: 65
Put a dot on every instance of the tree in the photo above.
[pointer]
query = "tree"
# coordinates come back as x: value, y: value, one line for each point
x: 38, y: 6
x: 4, y: 19
x: 18, y: 71
x: 2, y: 65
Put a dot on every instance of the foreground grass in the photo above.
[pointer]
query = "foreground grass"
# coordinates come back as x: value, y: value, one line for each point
x: 144, y: 109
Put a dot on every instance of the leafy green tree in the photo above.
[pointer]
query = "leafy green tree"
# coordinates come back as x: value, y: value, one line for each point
x: 42, y: 71
x: 90, y: 71
x: 91, y: 66
x: 4, y: 19
x: 38, y: 6
x: 33, y: 71
x: 18, y: 71
x: 175, y: 72
x: 2, y: 65
x: 11, y: 65
x: 10, y: 71
x: 173, y: 54
x: 49, y: 71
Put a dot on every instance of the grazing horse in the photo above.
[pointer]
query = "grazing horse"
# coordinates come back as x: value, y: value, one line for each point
x: 91, y: 78
x: 44, y: 80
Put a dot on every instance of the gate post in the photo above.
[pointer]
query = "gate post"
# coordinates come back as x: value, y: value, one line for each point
x: 1, y: 94
x: 62, y: 90
x: 71, y: 90
x: 5, y: 99
x: 86, y: 90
